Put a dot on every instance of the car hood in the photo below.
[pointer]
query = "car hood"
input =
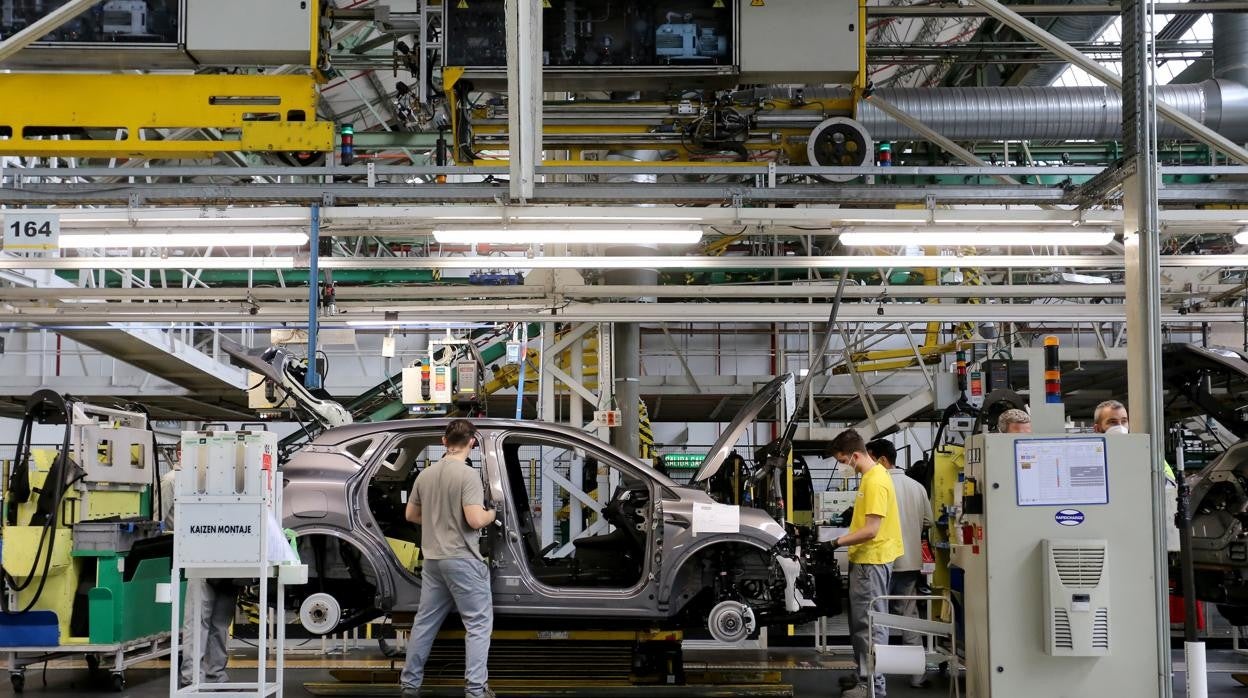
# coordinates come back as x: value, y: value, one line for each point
x: 781, y: 386
x: 1208, y: 380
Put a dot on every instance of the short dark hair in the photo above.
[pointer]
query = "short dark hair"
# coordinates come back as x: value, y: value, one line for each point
x: 459, y: 432
x: 883, y: 448
x: 847, y: 442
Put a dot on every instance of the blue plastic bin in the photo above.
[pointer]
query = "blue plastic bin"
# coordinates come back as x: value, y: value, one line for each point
x: 30, y: 629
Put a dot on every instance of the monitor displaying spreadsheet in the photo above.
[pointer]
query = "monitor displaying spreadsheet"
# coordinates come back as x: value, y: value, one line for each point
x: 1061, y: 472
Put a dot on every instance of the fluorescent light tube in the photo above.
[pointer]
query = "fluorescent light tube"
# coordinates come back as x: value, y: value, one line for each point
x: 415, y: 324
x: 1241, y: 238
x: 978, y: 238
x: 570, y: 235
x: 67, y: 221
x: 626, y: 219
x: 231, y: 239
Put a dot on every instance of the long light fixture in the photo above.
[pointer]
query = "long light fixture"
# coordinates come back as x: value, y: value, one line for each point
x: 989, y: 237
x: 589, y: 235
x: 233, y: 238
x: 1241, y: 237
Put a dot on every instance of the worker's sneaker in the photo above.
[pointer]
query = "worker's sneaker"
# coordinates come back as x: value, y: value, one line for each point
x: 862, y: 690
x: 920, y: 681
x: 409, y: 692
x: 487, y: 693
x: 848, y: 681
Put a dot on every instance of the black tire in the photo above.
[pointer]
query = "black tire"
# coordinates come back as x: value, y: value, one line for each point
x: 18, y: 681
x: 119, y: 682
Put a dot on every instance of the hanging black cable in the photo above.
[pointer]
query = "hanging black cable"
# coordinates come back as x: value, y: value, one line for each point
x: 44, y: 407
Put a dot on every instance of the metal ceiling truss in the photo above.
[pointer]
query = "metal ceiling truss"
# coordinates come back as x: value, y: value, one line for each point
x: 1060, y: 314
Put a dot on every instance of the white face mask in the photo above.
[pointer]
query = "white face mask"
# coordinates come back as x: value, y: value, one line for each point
x: 1116, y: 429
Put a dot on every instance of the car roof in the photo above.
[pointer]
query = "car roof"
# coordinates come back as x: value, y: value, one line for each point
x: 351, y: 432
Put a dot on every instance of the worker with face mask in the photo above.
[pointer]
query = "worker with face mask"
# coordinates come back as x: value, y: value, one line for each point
x: 1111, y: 417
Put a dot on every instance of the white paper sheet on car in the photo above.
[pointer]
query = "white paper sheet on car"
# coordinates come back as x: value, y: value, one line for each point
x: 716, y: 518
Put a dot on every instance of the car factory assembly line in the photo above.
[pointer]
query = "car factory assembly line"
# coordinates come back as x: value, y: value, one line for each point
x: 851, y: 348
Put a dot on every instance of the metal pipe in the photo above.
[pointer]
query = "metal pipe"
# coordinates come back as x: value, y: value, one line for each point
x: 1230, y: 48
x: 1142, y: 245
x: 932, y: 135
x: 1072, y: 27
x: 347, y: 295
x: 1199, y: 131
x: 613, y: 263
x: 1050, y: 113
x: 1059, y: 314
x: 312, y: 379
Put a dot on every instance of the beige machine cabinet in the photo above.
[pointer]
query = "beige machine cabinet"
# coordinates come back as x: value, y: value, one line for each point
x: 243, y: 32
x: 1057, y: 553
x: 798, y: 41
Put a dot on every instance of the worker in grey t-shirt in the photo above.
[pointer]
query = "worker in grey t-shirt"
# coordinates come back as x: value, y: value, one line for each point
x: 448, y: 502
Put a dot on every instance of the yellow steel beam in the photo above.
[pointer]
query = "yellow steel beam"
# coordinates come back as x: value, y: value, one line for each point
x: 863, y: 77
x: 451, y: 76
x: 259, y: 113
x: 883, y: 365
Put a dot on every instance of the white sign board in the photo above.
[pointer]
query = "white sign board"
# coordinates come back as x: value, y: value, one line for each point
x: 217, y: 533
x: 1061, y: 472
x: 32, y: 233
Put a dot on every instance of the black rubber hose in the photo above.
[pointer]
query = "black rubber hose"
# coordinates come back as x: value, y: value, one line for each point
x: 47, y: 561
x: 51, y: 496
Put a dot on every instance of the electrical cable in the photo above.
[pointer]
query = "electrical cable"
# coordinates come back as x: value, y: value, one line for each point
x: 324, y: 374
x: 47, y: 560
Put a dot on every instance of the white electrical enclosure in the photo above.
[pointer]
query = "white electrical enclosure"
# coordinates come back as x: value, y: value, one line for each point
x: 1042, y: 559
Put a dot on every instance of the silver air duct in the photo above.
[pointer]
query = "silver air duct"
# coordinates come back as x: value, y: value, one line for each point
x: 1073, y: 28
x: 1230, y: 47
x: 1050, y: 113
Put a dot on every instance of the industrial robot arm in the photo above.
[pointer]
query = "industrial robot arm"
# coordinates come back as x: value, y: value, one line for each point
x: 280, y: 366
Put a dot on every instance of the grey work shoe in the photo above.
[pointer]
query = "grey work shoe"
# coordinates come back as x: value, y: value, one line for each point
x: 487, y: 693
x: 862, y: 690
x: 409, y: 692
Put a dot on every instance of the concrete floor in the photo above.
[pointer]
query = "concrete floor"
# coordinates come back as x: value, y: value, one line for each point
x: 808, y: 682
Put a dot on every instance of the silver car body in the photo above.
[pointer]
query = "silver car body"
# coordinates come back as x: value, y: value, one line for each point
x: 326, y: 494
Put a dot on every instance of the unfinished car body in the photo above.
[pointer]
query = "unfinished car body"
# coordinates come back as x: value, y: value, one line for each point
x: 627, y: 546
x: 1214, y: 382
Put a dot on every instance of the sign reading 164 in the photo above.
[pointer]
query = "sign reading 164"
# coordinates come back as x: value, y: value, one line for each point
x: 31, y: 229
x: 32, y: 233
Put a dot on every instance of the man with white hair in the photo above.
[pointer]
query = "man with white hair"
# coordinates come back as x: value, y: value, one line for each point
x: 1014, y: 422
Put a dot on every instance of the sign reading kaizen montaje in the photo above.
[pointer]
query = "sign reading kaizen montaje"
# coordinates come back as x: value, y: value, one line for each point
x: 32, y: 233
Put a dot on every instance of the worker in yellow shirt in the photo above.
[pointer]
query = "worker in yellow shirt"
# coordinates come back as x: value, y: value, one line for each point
x: 874, y: 542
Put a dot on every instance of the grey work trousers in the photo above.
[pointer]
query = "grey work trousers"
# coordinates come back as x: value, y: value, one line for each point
x: 216, y: 605
x: 465, y: 585
x: 867, y: 583
x: 906, y: 584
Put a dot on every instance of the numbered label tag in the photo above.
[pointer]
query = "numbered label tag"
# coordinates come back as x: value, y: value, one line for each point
x: 32, y: 233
